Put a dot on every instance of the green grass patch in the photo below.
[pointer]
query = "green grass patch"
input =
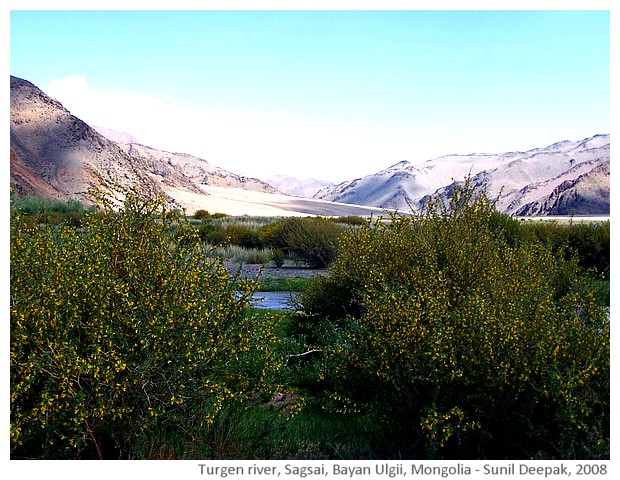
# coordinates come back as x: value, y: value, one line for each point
x: 279, y: 284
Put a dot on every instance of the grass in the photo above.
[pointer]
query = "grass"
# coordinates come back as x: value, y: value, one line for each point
x: 279, y: 284
x: 235, y: 253
x: 265, y: 432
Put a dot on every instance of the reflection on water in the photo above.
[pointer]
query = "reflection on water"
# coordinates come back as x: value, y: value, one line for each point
x: 273, y: 300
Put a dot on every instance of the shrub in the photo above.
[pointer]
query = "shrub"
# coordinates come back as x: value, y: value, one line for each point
x: 464, y: 345
x: 119, y: 334
x: 242, y: 236
x: 239, y: 254
x: 312, y: 241
x: 351, y: 220
x: 278, y: 257
x: 35, y: 205
x: 272, y: 234
x: 589, y: 242
x: 201, y: 214
x: 212, y: 234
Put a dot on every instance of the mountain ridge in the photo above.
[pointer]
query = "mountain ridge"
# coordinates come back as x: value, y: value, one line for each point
x: 306, y: 187
x: 57, y: 155
x: 517, y: 179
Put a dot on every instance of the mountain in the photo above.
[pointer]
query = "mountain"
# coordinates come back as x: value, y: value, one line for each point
x: 55, y: 154
x: 569, y: 176
x: 587, y: 193
x: 307, y: 187
x: 183, y: 170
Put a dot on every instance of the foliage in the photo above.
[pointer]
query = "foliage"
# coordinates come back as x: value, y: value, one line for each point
x: 464, y: 344
x: 212, y: 234
x: 279, y: 284
x: 278, y: 257
x: 355, y: 220
x: 49, y: 211
x: 34, y: 205
x: 310, y: 240
x: 234, y: 253
x: 242, y: 236
x: 458, y: 333
x: 118, y: 334
x: 588, y: 242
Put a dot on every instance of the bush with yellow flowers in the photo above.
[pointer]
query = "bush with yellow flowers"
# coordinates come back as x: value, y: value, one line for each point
x: 120, y: 332
x: 462, y: 345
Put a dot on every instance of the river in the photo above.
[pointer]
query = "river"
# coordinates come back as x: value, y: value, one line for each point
x: 273, y: 300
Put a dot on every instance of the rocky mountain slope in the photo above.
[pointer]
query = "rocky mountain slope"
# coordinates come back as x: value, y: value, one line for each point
x: 587, y: 194
x: 183, y: 170
x: 55, y: 154
x: 566, y: 178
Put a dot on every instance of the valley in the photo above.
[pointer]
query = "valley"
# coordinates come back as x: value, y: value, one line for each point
x: 57, y: 155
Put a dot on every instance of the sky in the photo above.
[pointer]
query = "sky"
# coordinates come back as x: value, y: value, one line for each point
x: 332, y: 95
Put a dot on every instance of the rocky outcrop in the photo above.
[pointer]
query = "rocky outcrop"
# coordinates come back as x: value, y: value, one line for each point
x: 588, y: 194
x: 55, y: 154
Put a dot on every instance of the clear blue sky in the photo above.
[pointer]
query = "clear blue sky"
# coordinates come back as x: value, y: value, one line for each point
x: 328, y: 94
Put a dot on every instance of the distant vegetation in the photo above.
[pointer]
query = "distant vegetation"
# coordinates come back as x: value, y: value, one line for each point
x: 457, y: 333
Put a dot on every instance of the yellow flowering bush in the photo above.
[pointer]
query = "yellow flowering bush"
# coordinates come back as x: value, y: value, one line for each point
x: 464, y: 345
x: 117, y: 332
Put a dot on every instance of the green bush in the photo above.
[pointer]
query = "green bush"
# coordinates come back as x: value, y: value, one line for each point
x: 272, y: 234
x: 201, y: 214
x: 589, y: 242
x: 464, y: 345
x: 242, y: 236
x: 121, y: 336
x: 351, y: 220
x: 50, y: 211
x: 35, y: 205
x: 212, y: 233
x: 312, y: 241
x: 278, y: 257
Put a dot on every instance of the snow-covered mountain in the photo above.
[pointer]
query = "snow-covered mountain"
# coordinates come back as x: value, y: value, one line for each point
x: 524, y: 182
